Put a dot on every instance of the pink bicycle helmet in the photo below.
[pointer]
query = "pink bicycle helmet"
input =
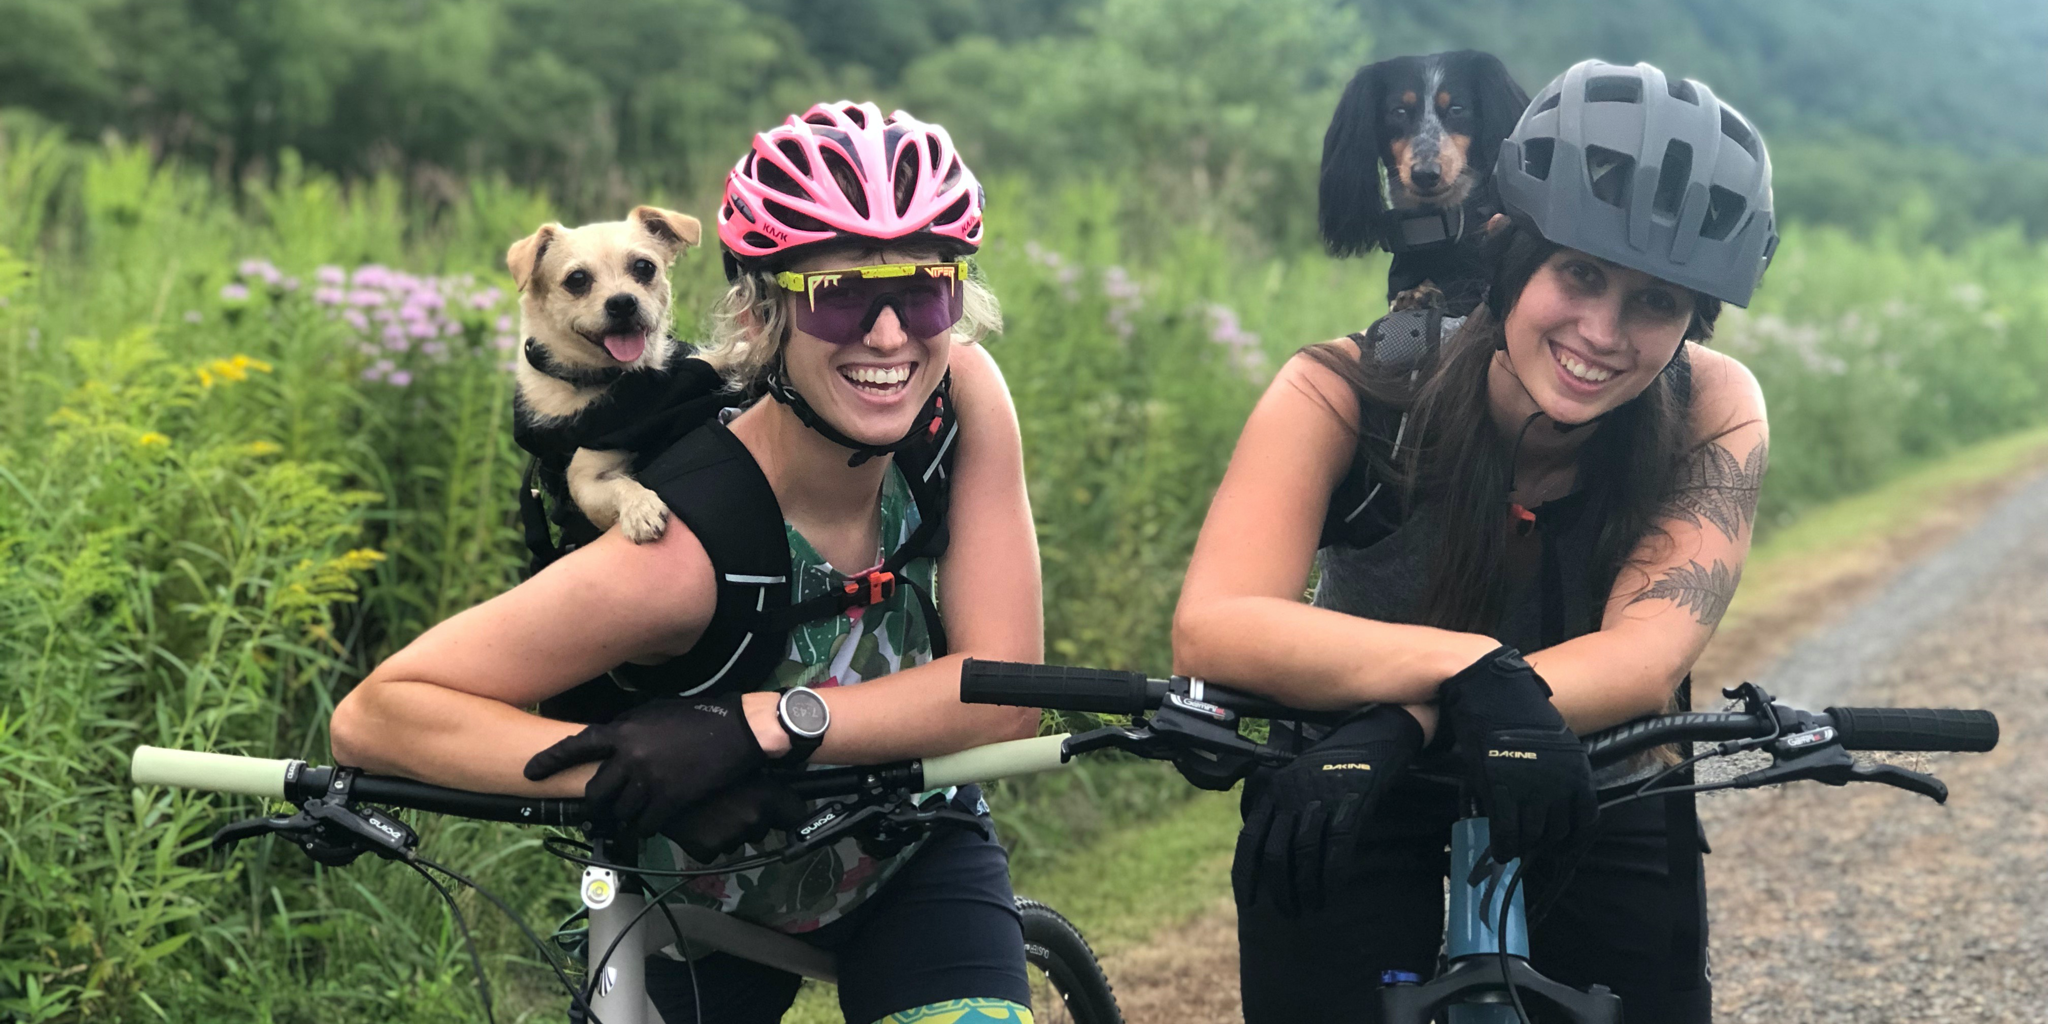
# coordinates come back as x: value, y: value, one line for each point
x: 842, y: 171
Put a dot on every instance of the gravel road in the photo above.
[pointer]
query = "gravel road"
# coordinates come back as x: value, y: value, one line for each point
x: 1872, y: 904
x: 1854, y: 904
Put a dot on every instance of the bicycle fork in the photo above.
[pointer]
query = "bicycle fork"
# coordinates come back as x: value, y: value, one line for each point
x: 1472, y: 988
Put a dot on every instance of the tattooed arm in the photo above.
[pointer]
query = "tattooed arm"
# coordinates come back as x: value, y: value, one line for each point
x: 1666, y: 604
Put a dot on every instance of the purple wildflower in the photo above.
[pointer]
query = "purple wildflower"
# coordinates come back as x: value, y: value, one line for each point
x: 328, y: 295
x: 504, y: 342
x: 505, y: 324
x: 235, y: 292
x: 401, y: 378
x: 329, y: 274
x: 356, y: 319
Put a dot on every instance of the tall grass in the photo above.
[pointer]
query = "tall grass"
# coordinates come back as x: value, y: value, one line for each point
x: 248, y: 446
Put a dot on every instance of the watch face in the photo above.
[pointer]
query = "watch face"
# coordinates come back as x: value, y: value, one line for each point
x: 805, y: 712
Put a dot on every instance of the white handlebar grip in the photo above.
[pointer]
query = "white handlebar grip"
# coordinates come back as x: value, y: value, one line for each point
x: 218, y: 773
x: 995, y: 761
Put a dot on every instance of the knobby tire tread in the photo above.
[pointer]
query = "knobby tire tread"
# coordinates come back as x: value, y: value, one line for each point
x: 1053, y: 944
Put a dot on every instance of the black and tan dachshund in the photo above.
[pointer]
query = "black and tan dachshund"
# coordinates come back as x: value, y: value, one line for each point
x: 1435, y: 123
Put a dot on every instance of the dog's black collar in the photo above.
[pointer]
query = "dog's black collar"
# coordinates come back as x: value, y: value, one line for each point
x: 538, y: 358
x: 1425, y: 227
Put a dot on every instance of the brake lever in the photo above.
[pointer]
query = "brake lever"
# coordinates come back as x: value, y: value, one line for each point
x: 1826, y: 762
x: 234, y: 832
x: 1904, y: 778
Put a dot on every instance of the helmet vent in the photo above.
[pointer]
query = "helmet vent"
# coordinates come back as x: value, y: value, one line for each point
x: 1549, y: 103
x: 1609, y: 173
x: 855, y: 114
x: 953, y: 212
x: 758, y: 240
x: 1733, y: 126
x: 849, y: 182
x: 1681, y: 89
x: 1724, y: 210
x: 1536, y: 157
x: 799, y: 221
x: 1672, y: 177
x: 952, y: 175
x: 1614, y: 89
x: 795, y: 152
x: 905, y: 177
x: 891, y: 138
x: 771, y: 174
x: 931, y: 151
x: 820, y: 118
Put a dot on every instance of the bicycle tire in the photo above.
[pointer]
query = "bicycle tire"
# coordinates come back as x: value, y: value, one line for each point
x: 1053, y: 945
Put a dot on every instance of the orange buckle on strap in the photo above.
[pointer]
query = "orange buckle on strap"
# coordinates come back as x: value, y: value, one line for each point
x: 871, y: 588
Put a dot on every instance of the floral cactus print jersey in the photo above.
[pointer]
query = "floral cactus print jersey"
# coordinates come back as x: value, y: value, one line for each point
x: 863, y: 644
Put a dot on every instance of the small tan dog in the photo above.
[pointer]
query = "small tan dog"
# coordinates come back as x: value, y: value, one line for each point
x: 594, y: 310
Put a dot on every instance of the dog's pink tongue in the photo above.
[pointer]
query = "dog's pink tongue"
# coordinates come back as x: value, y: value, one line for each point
x: 625, y: 347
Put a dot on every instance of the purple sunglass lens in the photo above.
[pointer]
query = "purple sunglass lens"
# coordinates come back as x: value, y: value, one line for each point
x: 926, y: 308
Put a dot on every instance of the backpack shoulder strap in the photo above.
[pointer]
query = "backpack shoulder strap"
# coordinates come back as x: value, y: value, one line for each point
x: 713, y: 485
x: 1361, y: 513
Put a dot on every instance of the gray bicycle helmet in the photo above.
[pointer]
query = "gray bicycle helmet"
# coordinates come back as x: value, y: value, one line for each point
x: 1644, y: 171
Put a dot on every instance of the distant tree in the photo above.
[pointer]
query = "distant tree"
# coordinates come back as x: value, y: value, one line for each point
x: 1219, y: 104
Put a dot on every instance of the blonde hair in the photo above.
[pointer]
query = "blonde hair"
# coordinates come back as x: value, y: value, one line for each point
x: 750, y: 322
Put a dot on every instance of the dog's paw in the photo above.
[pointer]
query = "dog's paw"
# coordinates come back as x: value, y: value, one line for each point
x: 1423, y: 295
x: 643, y: 517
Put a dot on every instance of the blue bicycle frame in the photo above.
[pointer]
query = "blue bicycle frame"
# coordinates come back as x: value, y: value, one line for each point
x: 1472, y: 989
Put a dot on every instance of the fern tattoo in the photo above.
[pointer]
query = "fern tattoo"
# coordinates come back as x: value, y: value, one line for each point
x: 1714, y: 488
x: 1702, y: 591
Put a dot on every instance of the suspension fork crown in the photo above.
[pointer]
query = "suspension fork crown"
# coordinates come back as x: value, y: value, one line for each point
x: 1474, y: 919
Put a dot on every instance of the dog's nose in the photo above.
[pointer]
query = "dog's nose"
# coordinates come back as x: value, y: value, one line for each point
x: 1426, y: 178
x: 621, y: 306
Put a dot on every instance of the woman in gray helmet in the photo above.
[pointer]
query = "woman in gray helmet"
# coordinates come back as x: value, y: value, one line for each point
x: 1526, y: 529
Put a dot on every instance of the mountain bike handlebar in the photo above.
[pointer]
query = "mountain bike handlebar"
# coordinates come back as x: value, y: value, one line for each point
x: 1112, y: 691
x: 296, y: 781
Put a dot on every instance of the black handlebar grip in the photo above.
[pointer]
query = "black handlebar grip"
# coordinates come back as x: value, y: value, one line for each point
x: 1057, y: 687
x: 1915, y: 729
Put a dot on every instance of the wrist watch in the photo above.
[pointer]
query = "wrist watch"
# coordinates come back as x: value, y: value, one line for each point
x: 804, y: 716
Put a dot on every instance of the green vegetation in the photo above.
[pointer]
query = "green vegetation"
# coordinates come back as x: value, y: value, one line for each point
x: 253, y: 408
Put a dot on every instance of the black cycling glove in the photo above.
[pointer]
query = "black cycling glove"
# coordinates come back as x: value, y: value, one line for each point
x: 1303, y: 821
x: 658, y: 759
x: 729, y: 819
x: 1528, y: 772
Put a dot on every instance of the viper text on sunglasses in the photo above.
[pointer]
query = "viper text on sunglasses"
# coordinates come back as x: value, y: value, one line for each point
x: 841, y: 305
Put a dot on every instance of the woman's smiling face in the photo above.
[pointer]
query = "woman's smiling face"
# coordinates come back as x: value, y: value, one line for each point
x: 873, y: 389
x: 1588, y: 335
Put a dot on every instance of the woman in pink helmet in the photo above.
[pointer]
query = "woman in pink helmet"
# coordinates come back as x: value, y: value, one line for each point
x: 853, y: 310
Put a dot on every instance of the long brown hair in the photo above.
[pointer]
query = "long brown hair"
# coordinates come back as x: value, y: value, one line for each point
x: 1454, y: 463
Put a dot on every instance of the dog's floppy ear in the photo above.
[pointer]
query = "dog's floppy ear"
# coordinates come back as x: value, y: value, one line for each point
x: 1349, y: 207
x: 525, y: 254
x: 1501, y: 103
x: 673, y: 231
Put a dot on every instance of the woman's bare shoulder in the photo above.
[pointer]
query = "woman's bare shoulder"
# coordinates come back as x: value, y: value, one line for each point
x: 1725, y: 394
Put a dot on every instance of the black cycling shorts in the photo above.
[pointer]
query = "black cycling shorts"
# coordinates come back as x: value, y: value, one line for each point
x: 1630, y: 916
x: 945, y: 927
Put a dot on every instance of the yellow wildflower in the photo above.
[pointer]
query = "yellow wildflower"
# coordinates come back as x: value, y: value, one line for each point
x: 205, y: 378
x: 153, y: 440
x: 229, y: 370
x: 261, y: 448
x: 358, y: 560
x: 243, y: 362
